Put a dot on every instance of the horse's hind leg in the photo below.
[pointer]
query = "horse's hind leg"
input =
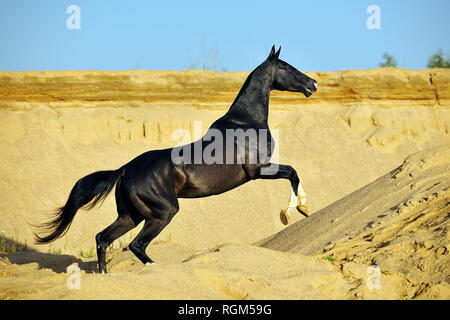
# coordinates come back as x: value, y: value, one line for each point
x: 153, y: 226
x: 117, y: 229
x: 124, y: 223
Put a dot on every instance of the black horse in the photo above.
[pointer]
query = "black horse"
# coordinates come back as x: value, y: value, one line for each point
x: 147, y: 188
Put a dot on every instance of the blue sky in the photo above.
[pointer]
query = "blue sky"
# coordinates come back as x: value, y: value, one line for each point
x: 321, y: 35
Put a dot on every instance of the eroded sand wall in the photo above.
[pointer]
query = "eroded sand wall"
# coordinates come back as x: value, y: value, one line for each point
x: 56, y: 127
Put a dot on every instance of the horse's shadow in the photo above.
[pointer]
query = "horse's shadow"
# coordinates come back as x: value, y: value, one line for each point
x: 56, y: 262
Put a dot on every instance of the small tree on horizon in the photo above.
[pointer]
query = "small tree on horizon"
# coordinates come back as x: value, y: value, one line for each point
x: 437, y: 60
x: 209, y: 60
x: 389, y: 61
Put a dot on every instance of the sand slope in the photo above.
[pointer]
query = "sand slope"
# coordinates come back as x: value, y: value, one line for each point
x: 399, y: 222
x: 226, y: 272
x: 423, y: 177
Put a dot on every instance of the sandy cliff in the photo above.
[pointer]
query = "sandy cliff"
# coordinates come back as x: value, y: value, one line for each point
x: 380, y: 87
x: 56, y: 127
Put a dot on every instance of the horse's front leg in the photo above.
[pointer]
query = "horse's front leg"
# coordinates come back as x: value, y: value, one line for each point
x: 297, y: 200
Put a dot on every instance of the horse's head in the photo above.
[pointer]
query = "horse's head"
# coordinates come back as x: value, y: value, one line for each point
x: 288, y: 78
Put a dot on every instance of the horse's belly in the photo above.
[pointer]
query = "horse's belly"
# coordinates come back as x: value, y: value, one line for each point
x: 208, y: 180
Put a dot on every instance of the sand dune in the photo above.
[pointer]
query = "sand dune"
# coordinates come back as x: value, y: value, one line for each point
x: 56, y: 127
x: 227, y: 272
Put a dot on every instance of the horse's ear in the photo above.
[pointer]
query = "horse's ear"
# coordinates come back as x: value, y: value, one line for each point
x: 277, y: 54
x: 272, y: 52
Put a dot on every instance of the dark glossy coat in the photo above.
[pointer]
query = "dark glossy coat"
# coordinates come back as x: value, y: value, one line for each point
x: 148, y: 187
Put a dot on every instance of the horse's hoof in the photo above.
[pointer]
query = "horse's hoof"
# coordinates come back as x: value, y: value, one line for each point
x: 150, y: 263
x: 284, y: 217
x: 303, y: 210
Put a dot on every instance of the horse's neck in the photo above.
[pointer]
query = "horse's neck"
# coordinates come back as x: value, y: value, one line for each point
x: 251, y: 106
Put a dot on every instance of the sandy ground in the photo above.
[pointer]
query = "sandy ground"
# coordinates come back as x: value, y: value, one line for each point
x: 372, y: 149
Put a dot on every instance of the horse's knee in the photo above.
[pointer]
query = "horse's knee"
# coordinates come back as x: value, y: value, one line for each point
x: 293, y: 174
x: 295, y: 180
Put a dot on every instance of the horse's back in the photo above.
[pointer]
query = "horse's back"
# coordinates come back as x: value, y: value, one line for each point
x: 146, y: 169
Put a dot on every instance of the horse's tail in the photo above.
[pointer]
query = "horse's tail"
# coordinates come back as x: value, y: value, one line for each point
x: 86, y: 193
